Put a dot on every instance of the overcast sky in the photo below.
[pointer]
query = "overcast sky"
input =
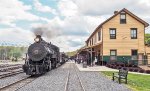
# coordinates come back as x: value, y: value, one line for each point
x: 68, y: 22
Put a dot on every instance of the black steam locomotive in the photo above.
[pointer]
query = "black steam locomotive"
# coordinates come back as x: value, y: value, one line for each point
x: 41, y: 57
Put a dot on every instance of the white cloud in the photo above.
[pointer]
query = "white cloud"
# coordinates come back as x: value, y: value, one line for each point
x: 74, y: 28
x: 43, y: 8
x: 17, y: 36
x: 66, y: 43
x: 82, y: 16
x: 105, y: 7
x: 67, y: 8
x: 14, y: 10
x: 74, y: 20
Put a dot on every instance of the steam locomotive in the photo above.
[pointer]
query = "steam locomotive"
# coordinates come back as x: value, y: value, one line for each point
x: 42, y: 57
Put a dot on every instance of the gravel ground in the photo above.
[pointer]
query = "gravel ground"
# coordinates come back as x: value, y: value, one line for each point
x: 95, y: 81
x: 74, y: 83
x: 55, y: 80
x: 8, y: 80
x: 52, y: 81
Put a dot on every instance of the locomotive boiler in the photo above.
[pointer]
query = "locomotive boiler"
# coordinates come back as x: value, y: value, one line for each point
x: 41, y: 57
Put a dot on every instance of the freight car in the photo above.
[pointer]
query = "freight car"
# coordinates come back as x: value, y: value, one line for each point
x: 41, y: 57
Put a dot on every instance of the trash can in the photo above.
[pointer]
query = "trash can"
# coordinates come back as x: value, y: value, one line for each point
x: 84, y: 65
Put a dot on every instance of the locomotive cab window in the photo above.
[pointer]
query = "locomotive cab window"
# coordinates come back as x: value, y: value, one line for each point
x: 122, y: 18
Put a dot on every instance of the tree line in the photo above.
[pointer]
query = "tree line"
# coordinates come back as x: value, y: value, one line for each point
x: 12, y: 53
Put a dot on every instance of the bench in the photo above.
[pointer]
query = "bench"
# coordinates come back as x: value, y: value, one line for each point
x: 122, y: 74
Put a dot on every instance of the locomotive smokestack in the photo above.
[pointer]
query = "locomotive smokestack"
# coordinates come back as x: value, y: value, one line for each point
x: 38, y: 38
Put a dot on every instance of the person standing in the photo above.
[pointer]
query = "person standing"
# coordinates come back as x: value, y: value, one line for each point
x: 95, y: 60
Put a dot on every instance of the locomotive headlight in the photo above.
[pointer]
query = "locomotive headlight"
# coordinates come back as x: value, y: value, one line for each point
x: 36, y: 39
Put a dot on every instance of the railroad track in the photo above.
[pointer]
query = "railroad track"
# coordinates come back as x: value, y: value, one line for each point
x: 10, y: 74
x: 18, y: 84
x: 79, y: 81
x: 10, y: 68
x: 83, y: 89
x: 67, y: 82
x: 9, y: 65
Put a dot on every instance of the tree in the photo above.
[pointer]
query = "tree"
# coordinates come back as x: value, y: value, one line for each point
x: 147, y: 39
x: 17, y: 53
x: 11, y: 52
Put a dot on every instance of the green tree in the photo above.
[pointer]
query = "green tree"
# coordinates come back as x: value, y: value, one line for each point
x: 17, y: 53
x: 147, y: 39
x: 11, y: 52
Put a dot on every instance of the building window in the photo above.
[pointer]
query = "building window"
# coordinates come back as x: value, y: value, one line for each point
x: 92, y: 41
x: 113, y: 55
x: 99, y: 36
x: 95, y: 39
x: 122, y: 18
x: 133, y: 33
x: 134, y: 54
x: 112, y: 33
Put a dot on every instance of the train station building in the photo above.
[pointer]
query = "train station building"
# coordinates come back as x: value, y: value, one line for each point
x: 119, y: 38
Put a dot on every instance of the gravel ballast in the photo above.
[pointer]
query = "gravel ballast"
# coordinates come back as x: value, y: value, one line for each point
x: 52, y: 81
x: 55, y: 80
x: 74, y: 83
x: 9, y: 80
x: 96, y: 81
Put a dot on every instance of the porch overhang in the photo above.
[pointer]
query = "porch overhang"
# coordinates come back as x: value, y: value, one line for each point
x: 98, y: 44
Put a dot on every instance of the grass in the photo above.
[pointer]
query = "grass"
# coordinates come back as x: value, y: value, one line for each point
x: 136, y: 82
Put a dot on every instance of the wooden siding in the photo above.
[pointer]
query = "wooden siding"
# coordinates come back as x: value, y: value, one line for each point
x: 95, y: 38
x: 147, y: 49
x: 123, y: 42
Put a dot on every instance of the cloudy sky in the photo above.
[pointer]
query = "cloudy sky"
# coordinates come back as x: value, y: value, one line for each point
x: 67, y: 23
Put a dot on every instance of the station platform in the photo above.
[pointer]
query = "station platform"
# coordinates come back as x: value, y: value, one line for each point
x: 94, y: 68
x: 101, y: 68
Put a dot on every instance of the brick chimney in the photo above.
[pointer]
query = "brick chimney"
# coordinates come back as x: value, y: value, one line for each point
x: 115, y: 12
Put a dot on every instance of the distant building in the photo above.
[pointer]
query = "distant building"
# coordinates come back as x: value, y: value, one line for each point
x: 119, y: 38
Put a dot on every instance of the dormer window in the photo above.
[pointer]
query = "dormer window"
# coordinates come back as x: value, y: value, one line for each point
x: 122, y: 18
